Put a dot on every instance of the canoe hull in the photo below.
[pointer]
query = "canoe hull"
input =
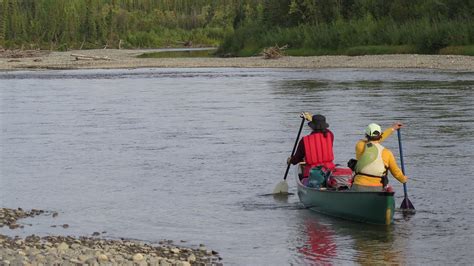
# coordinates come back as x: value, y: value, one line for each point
x: 367, y: 207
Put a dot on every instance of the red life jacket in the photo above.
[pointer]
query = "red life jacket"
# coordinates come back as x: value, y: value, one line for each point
x: 318, y: 151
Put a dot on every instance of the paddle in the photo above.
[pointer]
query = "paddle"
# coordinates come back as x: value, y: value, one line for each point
x: 282, y: 187
x: 406, y: 203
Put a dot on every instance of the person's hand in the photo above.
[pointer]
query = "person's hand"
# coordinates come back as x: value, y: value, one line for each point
x: 307, y: 115
x: 288, y: 161
x: 397, y: 125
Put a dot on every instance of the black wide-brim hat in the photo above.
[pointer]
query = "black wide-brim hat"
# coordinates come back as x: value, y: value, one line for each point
x: 318, y: 122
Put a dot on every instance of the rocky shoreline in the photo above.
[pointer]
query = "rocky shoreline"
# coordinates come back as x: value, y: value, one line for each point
x: 113, y: 58
x: 69, y: 250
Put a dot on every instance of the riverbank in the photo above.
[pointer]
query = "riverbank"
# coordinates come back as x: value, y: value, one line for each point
x: 59, y: 250
x: 113, y: 58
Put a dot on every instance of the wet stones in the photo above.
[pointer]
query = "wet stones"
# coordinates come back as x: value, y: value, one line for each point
x: 93, y: 251
x: 67, y: 250
x: 9, y: 217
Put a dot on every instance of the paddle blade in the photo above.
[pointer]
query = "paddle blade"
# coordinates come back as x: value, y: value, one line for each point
x: 406, y: 204
x: 281, y: 187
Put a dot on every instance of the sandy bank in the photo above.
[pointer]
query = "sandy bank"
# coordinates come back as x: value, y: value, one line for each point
x: 127, y: 59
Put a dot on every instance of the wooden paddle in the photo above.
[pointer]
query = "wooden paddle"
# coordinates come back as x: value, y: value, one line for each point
x: 282, y: 187
x: 406, y: 203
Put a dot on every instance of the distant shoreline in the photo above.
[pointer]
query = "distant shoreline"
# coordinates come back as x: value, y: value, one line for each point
x: 120, y: 59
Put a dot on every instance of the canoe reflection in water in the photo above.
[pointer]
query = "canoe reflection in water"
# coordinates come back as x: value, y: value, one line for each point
x: 379, y: 245
x: 320, y: 244
x: 338, y: 241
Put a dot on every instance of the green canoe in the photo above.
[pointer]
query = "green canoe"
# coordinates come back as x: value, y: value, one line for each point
x: 368, y: 207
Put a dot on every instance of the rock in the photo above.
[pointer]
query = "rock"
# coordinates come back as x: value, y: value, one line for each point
x: 175, y: 250
x: 63, y: 246
x: 192, y: 258
x: 40, y: 258
x: 102, y: 258
x: 65, y: 225
x: 91, y: 261
x: 165, y: 263
x: 137, y: 257
x: 95, y: 234
x: 13, y: 226
x: 183, y: 263
x: 75, y: 261
x: 118, y: 258
x: 83, y: 258
x: 142, y: 263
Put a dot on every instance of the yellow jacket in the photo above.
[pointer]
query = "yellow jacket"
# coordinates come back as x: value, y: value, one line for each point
x: 388, y: 160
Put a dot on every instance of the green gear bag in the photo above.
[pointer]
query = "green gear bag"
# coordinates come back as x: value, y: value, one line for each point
x: 317, y: 177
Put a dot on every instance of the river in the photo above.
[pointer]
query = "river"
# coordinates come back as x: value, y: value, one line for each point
x: 188, y: 154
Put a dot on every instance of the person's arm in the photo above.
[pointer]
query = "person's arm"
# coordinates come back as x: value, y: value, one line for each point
x: 389, y: 131
x: 299, y: 154
x: 393, y: 167
x: 359, y: 148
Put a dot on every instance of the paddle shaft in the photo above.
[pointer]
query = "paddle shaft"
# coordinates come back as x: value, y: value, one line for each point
x: 294, y: 147
x: 401, y: 160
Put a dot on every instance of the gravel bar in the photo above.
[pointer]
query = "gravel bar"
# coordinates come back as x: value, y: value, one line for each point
x: 127, y: 59
x: 69, y: 250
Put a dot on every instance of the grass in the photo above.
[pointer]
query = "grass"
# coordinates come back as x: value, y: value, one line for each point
x: 379, y: 49
x: 364, y: 50
x: 352, y: 51
x: 458, y: 50
x: 178, y: 54
x: 310, y: 52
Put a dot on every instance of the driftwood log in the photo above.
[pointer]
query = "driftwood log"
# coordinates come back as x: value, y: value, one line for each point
x: 274, y: 52
x: 89, y: 57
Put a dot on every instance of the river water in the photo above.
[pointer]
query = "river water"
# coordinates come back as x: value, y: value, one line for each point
x: 188, y: 154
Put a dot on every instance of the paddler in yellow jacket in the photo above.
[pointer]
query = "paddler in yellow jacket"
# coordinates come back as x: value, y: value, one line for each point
x: 374, y: 160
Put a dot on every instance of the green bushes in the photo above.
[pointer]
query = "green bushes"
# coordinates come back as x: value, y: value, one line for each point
x: 242, y: 27
x: 355, y: 37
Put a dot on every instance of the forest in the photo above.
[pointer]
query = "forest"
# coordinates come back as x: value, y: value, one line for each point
x: 242, y: 27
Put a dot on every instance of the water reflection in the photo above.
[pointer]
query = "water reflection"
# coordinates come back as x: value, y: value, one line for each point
x: 319, y: 244
x: 330, y: 240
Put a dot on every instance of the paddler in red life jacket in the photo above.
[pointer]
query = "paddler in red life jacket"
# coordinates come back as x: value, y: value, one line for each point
x: 316, y: 148
x: 374, y: 161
